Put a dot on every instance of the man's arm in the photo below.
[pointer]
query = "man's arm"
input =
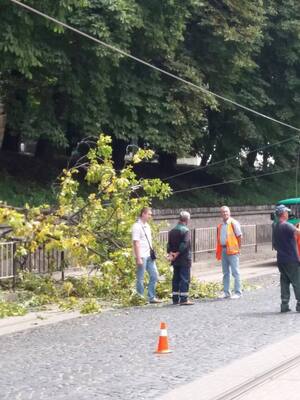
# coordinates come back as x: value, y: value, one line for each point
x: 168, y: 244
x: 297, y: 232
x: 137, y: 244
x: 137, y: 252
x: 172, y: 255
x: 184, y: 244
x: 238, y: 232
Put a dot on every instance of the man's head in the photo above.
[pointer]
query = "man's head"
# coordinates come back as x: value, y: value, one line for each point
x: 225, y: 213
x: 282, y: 212
x: 184, y: 217
x: 146, y: 214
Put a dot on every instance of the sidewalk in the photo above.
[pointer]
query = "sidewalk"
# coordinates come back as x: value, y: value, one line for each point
x: 35, y: 319
x: 269, y: 374
x: 252, y: 265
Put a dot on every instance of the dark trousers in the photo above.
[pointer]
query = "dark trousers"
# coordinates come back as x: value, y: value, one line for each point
x: 289, y: 275
x: 181, y: 283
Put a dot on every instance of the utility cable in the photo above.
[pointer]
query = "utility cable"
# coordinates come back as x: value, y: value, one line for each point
x: 229, y: 158
x: 234, y: 180
x: 162, y: 71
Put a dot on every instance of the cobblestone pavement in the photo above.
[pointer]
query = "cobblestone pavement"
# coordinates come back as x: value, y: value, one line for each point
x: 111, y: 355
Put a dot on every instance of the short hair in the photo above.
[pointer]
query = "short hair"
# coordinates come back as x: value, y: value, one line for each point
x: 225, y: 208
x: 184, y: 216
x: 144, y: 210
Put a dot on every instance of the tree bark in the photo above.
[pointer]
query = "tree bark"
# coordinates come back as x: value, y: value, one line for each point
x: 167, y: 160
x: 10, y: 142
x: 44, y: 149
x: 118, y: 154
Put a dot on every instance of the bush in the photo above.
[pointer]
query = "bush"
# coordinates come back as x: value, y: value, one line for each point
x: 11, y: 309
x: 90, y: 306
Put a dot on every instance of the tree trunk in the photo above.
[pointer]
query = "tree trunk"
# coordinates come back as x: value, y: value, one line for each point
x: 44, y: 149
x: 251, y: 157
x: 204, y: 159
x: 167, y: 160
x: 118, y: 154
x: 10, y: 142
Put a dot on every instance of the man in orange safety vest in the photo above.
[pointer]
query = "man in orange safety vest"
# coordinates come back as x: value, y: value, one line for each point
x: 229, y: 237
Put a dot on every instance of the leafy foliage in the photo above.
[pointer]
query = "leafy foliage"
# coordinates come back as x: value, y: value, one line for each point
x: 10, y: 309
x: 90, y: 306
x: 92, y: 227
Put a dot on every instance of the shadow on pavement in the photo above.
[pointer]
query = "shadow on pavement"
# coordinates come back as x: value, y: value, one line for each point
x: 263, y: 314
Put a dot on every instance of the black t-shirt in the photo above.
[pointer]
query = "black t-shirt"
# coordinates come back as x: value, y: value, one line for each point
x: 285, y: 243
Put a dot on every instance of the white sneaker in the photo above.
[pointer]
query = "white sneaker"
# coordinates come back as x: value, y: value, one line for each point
x: 236, y: 296
x: 224, y: 296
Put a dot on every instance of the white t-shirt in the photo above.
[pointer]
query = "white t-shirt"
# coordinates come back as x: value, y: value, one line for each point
x: 138, y: 233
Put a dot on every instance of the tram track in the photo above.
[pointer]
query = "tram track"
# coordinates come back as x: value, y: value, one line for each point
x: 246, y: 387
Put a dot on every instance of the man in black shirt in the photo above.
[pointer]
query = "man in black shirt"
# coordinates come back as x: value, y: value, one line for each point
x: 284, y: 241
x: 180, y: 255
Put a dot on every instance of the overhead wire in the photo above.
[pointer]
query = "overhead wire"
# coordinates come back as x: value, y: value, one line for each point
x: 235, y: 157
x: 148, y: 64
x: 176, y: 77
x: 234, y: 180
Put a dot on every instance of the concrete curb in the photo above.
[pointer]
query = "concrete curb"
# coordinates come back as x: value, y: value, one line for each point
x: 35, y: 319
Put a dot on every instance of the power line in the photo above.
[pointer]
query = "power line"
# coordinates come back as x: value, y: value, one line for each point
x: 234, y: 180
x: 141, y: 61
x: 191, y: 84
x: 229, y: 159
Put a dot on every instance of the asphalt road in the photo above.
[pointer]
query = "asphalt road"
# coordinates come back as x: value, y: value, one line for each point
x: 111, y: 355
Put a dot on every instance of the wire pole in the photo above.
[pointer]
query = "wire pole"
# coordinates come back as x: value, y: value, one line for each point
x: 297, y: 172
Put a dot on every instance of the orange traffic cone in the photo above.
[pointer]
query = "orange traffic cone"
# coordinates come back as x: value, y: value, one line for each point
x: 163, y: 345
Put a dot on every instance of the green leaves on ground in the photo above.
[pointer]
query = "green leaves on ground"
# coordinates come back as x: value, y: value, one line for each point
x: 11, y: 309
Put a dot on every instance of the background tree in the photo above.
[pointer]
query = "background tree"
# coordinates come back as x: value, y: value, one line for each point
x: 58, y: 87
x: 223, y: 38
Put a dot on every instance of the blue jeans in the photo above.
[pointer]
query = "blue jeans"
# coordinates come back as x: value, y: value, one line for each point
x: 149, y: 266
x: 231, y: 262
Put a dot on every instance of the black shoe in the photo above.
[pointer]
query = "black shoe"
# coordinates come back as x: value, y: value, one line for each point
x: 285, y: 308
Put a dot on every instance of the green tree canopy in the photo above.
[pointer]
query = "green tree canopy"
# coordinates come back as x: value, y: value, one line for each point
x: 60, y: 87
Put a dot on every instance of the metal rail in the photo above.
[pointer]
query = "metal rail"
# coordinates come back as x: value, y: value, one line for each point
x: 204, y: 239
x: 245, y: 388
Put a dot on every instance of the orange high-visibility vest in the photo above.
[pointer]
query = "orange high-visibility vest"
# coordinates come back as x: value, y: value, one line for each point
x: 232, y: 244
x: 298, y: 244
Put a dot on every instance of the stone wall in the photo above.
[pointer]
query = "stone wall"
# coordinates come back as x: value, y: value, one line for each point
x: 210, y: 216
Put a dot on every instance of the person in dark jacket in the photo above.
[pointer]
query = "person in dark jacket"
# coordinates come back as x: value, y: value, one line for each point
x: 285, y: 243
x: 180, y: 255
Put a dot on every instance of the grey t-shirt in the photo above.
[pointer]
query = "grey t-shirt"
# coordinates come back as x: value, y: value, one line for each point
x: 285, y: 243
